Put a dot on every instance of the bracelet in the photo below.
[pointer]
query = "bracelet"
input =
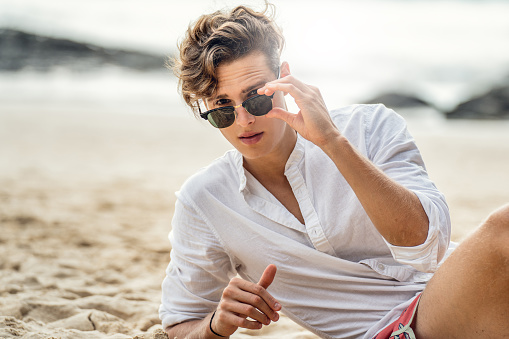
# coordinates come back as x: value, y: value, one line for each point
x: 210, y: 326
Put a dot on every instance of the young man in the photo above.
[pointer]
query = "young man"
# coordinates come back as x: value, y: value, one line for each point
x: 338, y: 203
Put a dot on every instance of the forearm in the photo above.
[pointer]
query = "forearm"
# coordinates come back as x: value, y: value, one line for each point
x: 191, y: 329
x: 395, y: 211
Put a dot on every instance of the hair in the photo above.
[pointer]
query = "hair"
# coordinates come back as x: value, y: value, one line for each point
x: 220, y: 38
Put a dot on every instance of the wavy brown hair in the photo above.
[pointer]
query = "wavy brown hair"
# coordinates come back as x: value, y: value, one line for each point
x: 222, y: 37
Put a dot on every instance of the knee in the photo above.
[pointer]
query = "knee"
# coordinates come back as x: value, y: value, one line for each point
x: 496, y: 229
x: 498, y: 220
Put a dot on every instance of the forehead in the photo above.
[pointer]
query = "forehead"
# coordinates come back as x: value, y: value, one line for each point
x: 237, y: 76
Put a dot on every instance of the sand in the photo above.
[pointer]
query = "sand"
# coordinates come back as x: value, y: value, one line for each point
x: 86, y: 201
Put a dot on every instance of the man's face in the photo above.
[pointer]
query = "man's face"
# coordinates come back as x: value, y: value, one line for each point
x: 256, y: 137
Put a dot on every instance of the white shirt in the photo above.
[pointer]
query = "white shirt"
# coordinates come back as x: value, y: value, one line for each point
x: 337, y: 276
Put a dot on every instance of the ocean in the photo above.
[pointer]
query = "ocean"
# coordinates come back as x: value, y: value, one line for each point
x: 441, y: 51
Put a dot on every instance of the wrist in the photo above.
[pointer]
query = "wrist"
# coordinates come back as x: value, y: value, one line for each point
x: 211, y: 329
x: 333, y: 142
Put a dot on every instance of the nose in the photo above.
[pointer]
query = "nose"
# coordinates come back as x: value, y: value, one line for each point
x: 243, y: 118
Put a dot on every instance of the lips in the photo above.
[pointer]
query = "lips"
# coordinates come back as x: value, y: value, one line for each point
x: 250, y: 138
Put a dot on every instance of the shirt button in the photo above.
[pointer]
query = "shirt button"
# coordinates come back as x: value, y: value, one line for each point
x: 381, y: 266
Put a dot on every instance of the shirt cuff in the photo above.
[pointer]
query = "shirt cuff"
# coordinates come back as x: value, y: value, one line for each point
x: 426, y: 256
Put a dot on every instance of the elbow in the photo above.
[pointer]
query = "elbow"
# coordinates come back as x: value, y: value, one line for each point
x: 171, y: 331
x: 421, y: 234
x: 410, y: 234
x: 411, y: 237
x: 420, y: 229
x: 413, y: 227
x: 418, y: 232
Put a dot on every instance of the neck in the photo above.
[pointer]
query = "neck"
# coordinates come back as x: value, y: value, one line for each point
x: 273, y: 165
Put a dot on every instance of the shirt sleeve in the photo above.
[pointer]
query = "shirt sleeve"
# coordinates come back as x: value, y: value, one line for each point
x: 391, y: 147
x: 198, y: 271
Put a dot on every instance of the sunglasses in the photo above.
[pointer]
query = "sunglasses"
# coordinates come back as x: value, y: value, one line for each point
x: 225, y: 116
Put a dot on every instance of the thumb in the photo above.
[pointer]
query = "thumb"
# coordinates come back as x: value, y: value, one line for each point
x: 268, y: 276
x: 280, y: 113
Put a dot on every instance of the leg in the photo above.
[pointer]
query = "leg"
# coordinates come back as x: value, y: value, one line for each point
x: 468, y: 297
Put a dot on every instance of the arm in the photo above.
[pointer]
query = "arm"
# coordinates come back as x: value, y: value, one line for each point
x: 390, y: 206
x: 200, y: 279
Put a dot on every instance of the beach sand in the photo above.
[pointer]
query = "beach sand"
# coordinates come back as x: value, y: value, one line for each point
x: 86, y: 201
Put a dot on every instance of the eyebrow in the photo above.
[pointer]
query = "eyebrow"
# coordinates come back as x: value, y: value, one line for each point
x: 244, y: 91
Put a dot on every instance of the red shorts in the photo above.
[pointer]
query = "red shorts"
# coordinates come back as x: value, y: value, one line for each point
x: 400, y: 329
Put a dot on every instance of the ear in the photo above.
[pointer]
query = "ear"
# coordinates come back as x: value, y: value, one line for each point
x: 283, y: 72
x: 285, y: 69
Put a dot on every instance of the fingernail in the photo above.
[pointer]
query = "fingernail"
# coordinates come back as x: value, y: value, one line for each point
x: 277, y: 305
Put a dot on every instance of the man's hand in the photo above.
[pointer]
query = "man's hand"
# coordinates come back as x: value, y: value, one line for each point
x: 242, y: 299
x: 313, y: 121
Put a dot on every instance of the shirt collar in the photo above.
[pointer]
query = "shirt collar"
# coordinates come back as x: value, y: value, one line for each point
x: 238, y: 161
x: 297, y: 154
x: 295, y: 158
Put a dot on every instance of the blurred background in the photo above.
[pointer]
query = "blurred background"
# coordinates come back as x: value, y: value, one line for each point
x: 440, y: 52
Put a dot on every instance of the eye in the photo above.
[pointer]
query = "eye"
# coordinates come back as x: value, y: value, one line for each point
x: 222, y: 102
x: 252, y: 93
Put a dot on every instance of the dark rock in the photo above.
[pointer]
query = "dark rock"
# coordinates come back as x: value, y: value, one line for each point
x: 19, y: 50
x: 491, y: 105
x: 397, y: 100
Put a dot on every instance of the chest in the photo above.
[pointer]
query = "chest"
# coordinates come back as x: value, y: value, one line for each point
x: 321, y: 212
x: 282, y: 191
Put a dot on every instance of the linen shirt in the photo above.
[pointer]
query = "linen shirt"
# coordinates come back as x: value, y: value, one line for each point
x: 337, y: 276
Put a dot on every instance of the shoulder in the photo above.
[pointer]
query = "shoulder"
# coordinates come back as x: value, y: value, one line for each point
x: 219, y: 176
x: 360, y: 122
x: 364, y: 115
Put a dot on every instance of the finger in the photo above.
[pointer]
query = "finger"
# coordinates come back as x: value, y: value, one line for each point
x: 288, y: 117
x: 290, y: 88
x: 257, y: 297
x: 288, y: 80
x: 245, y: 310
x: 268, y: 276
x: 265, y: 91
x: 255, y: 290
x: 253, y: 294
x: 227, y: 319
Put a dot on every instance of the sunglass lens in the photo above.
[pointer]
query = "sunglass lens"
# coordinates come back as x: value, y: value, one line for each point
x: 259, y: 105
x: 222, y: 118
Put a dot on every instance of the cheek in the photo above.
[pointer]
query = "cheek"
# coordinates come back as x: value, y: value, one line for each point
x: 276, y: 125
x: 228, y: 134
